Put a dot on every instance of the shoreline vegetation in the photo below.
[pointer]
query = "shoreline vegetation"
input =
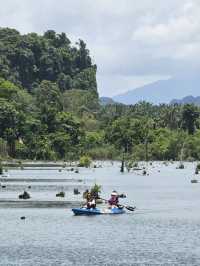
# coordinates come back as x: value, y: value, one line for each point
x: 50, y: 109
x: 76, y: 166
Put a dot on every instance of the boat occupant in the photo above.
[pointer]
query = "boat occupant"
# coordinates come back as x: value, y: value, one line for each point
x: 91, y: 204
x: 87, y: 195
x: 90, y: 200
x: 114, y: 200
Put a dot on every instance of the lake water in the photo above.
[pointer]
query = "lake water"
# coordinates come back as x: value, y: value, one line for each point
x: 164, y: 230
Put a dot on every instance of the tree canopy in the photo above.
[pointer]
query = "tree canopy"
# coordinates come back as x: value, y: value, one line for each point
x: 49, y: 108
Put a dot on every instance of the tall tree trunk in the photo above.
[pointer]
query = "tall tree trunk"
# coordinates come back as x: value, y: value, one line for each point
x: 146, y: 150
x: 122, y: 164
x: 11, y: 148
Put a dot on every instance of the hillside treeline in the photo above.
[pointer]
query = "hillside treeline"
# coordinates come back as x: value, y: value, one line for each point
x: 49, y: 108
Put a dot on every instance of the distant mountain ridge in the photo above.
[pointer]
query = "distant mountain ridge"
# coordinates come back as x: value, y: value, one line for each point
x: 162, y: 91
x: 106, y: 101
x: 188, y: 99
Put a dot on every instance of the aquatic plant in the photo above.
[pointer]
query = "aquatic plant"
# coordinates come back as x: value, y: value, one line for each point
x: 61, y: 194
x: 95, y: 191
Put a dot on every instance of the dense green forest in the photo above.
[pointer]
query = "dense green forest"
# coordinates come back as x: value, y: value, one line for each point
x: 49, y: 108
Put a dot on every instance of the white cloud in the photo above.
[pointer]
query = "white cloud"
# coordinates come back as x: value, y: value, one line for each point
x: 177, y: 38
x: 130, y: 40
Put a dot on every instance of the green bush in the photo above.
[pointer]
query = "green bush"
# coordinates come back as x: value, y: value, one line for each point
x: 105, y: 152
x: 198, y: 166
x: 96, y: 188
x: 95, y: 191
x: 85, y: 161
x: 21, y: 151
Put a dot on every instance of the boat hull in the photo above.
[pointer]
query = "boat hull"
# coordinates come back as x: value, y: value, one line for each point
x: 97, y: 211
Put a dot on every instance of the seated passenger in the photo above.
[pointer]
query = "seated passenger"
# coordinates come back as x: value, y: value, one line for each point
x: 114, y: 200
x: 87, y: 195
x: 91, y: 204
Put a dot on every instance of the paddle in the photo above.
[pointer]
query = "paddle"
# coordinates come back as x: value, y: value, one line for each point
x: 129, y: 208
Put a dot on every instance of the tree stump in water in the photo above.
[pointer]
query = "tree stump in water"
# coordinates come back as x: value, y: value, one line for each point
x: 76, y: 192
x: 194, y: 181
x: 181, y: 166
x: 122, y: 167
x: 25, y: 195
x: 1, y: 169
x: 144, y: 172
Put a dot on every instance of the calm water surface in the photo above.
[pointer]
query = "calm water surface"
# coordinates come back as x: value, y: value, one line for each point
x: 165, y: 229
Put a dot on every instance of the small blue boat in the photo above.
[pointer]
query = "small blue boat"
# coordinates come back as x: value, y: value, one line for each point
x: 97, y: 211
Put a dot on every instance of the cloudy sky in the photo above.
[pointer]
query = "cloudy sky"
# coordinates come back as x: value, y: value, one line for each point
x: 133, y: 42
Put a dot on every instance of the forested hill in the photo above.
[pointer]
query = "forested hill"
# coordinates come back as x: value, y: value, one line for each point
x: 27, y: 60
x: 48, y: 90
x: 49, y: 109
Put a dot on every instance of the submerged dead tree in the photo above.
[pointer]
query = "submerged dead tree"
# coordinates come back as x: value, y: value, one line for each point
x: 122, y: 164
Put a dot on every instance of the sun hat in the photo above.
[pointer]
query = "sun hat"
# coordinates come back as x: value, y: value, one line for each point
x: 114, y: 193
